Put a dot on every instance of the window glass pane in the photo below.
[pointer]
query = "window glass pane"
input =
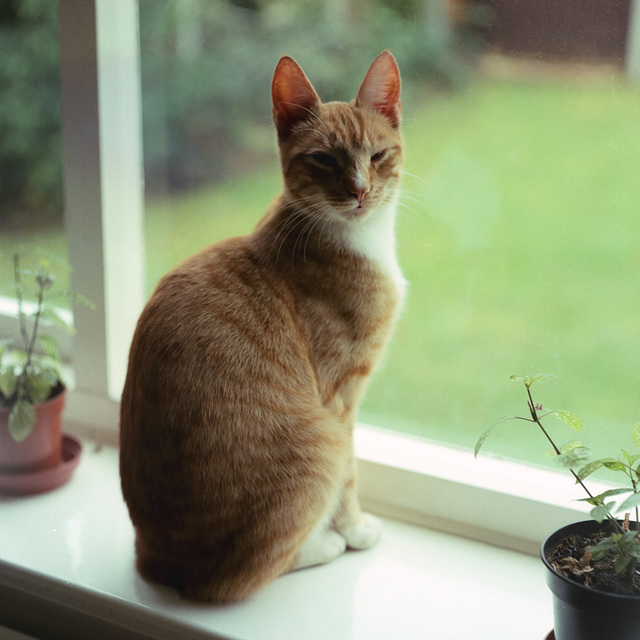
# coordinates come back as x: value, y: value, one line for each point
x: 518, y: 226
x: 30, y: 156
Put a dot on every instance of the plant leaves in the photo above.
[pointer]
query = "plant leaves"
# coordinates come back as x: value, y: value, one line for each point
x: 614, y: 465
x: 570, y: 418
x: 614, y: 492
x: 601, y: 512
x: 51, y: 317
x: 87, y: 302
x: 50, y: 346
x: 635, y: 432
x: 8, y: 382
x: 622, y: 562
x: 588, y: 469
x: 603, y: 547
x: 631, y: 502
x: 572, y: 454
x: 22, y: 419
x: 40, y: 383
x: 483, y: 437
x: 629, y: 458
x: 4, y: 343
x: 529, y: 380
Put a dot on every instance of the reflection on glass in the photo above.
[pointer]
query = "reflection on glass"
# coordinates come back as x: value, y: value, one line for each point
x: 518, y: 230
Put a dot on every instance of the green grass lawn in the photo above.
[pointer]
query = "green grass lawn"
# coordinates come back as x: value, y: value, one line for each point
x: 520, y: 236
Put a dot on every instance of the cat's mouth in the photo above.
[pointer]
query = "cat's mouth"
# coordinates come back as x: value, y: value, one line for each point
x: 355, y: 209
x: 352, y: 212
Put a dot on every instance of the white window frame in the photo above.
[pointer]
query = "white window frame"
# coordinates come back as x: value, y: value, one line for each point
x: 104, y: 210
x: 506, y: 503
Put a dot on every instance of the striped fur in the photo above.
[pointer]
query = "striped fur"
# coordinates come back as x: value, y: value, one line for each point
x: 250, y: 360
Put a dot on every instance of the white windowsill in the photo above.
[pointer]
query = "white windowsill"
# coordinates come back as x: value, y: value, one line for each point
x: 66, y: 564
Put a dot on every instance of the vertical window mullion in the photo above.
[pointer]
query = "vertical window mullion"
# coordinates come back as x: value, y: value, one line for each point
x: 100, y: 78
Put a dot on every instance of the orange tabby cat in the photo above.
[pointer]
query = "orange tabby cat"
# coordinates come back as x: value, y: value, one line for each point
x: 250, y: 359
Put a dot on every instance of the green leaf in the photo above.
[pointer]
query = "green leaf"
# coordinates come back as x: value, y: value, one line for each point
x: 628, y: 537
x: 629, y: 458
x: 40, y: 384
x: 615, y: 492
x: 8, y: 382
x: 87, y: 302
x: 635, y: 432
x: 50, y: 317
x: 594, y: 501
x: 570, y: 418
x: 50, y: 346
x: 630, y: 503
x: 601, y: 512
x: 483, y: 437
x: 588, y: 469
x: 621, y: 563
x: 603, y: 547
x: 529, y: 380
x: 572, y: 454
x: 4, y: 343
x: 22, y: 419
x: 615, y: 465
x: 598, y: 500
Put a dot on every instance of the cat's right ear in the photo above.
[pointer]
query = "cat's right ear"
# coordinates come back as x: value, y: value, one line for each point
x: 294, y: 98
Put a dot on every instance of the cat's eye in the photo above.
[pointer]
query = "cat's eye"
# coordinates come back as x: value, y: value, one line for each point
x: 325, y: 159
x: 377, y: 156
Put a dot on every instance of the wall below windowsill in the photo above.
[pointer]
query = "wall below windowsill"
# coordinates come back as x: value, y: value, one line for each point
x: 67, y: 568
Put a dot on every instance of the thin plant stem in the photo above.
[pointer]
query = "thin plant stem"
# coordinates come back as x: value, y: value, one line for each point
x: 534, y: 414
x: 536, y: 419
x: 21, y: 316
x: 36, y: 323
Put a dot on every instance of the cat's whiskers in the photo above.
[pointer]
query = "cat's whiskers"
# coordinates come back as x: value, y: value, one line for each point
x: 416, y: 177
x: 309, y: 215
x: 287, y: 227
x: 405, y: 197
x: 306, y: 233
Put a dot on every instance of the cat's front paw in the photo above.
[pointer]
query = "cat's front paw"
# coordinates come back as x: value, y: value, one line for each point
x: 320, y: 548
x: 364, y: 534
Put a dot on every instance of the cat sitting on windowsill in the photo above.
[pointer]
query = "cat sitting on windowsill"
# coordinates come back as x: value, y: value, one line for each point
x: 250, y: 359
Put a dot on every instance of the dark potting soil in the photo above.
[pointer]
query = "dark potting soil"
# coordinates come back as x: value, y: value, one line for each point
x: 568, y: 558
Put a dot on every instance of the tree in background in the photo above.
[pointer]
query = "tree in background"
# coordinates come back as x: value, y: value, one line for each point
x: 30, y: 163
x: 206, y: 73
x: 207, y: 69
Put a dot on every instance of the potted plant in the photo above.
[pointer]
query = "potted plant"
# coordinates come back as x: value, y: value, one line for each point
x: 593, y: 566
x: 32, y: 388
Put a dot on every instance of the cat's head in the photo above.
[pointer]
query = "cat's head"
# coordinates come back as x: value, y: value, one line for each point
x: 340, y: 160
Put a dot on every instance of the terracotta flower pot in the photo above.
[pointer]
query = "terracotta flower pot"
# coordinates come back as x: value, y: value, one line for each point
x: 42, y: 449
x: 583, y: 613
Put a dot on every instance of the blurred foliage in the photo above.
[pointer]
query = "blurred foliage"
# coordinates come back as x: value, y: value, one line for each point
x: 206, y: 73
x: 207, y: 67
x: 30, y: 165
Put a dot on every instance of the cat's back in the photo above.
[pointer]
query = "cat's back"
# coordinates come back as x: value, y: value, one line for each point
x: 217, y: 317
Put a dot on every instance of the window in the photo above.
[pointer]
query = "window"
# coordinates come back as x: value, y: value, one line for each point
x: 30, y: 161
x: 496, y: 275
x: 519, y: 199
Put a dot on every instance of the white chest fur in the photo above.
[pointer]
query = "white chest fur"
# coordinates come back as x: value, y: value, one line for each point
x: 373, y: 236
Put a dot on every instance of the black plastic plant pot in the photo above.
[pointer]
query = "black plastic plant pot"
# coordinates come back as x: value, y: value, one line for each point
x: 583, y: 613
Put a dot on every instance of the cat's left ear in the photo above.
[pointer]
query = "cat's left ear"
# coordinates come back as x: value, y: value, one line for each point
x: 380, y: 89
x: 294, y: 98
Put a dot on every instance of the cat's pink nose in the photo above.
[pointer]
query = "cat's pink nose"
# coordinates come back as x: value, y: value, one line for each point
x: 359, y: 193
